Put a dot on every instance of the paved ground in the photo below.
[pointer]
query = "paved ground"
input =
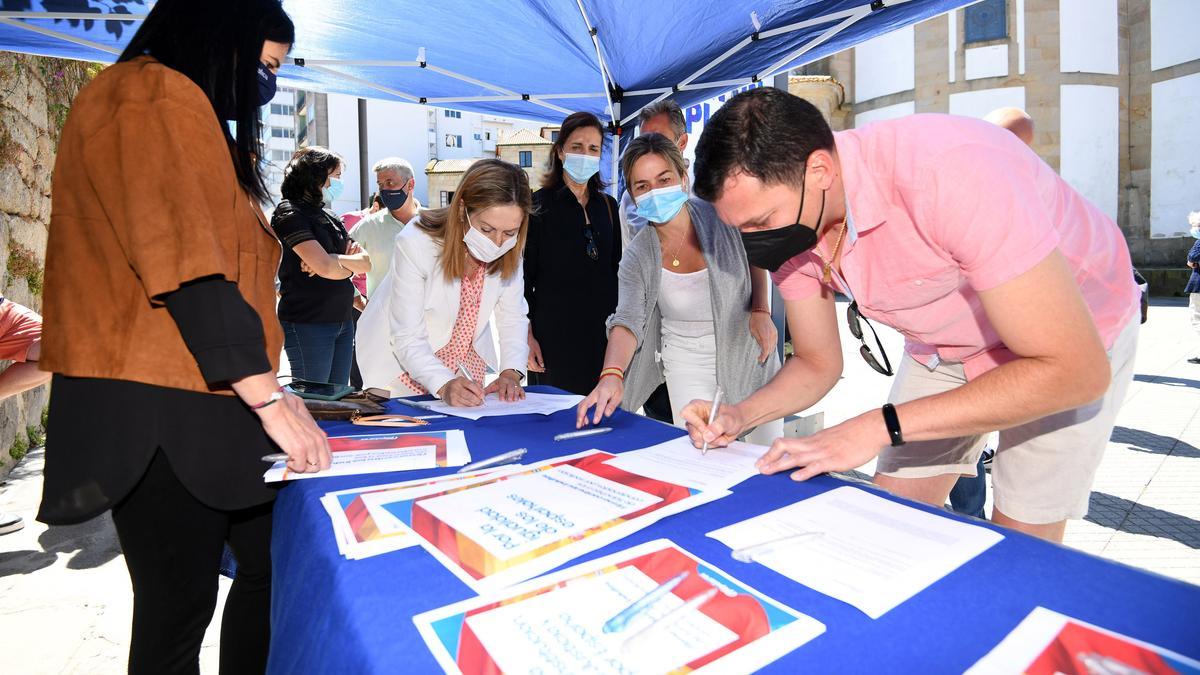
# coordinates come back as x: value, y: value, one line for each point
x: 65, y: 599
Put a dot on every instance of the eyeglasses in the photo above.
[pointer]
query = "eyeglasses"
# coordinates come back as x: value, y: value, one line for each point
x: 591, y: 250
x: 853, y: 317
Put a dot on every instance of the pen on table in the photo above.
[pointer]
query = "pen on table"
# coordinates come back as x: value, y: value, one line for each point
x: 748, y: 553
x: 622, y: 618
x: 503, y: 458
x: 581, y: 434
x: 712, y: 415
x: 695, y: 603
x: 414, y: 404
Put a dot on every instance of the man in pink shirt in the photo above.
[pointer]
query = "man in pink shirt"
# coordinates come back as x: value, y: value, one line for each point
x: 1012, y: 291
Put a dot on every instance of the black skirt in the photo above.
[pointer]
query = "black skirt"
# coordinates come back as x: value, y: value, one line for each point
x: 102, y: 434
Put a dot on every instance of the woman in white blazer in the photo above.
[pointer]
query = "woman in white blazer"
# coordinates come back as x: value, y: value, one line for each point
x: 455, y: 270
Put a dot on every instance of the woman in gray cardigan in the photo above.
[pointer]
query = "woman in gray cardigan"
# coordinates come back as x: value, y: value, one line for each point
x: 690, y: 306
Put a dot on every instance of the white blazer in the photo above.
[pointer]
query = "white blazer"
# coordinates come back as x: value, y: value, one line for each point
x: 411, y: 316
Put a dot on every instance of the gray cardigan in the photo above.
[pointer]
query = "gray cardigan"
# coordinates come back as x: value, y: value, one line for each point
x: 738, y: 371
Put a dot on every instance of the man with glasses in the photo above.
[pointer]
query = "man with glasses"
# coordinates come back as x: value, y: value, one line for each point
x: 1012, y: 292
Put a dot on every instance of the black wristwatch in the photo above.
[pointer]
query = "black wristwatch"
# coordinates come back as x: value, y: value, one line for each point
x: 893, y: 424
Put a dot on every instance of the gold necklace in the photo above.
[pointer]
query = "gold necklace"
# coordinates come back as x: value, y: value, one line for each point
x: 827, y: 273
x: 675, y: 256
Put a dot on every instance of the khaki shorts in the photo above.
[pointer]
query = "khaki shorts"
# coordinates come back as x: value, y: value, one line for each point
x: 1043, y: 469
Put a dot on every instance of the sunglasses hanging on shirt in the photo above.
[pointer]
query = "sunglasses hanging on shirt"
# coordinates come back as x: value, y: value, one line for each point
x: 853, y: 319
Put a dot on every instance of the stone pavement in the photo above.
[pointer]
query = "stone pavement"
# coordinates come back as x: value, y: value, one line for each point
x: 65, y: 603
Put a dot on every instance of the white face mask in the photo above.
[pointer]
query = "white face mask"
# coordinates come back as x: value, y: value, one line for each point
x: 481, y: 246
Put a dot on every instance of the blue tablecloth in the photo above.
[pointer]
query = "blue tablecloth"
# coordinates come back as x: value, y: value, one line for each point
x: 332, y: 615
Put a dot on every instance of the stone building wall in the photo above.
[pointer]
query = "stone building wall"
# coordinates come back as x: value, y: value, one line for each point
x: 35, y: 96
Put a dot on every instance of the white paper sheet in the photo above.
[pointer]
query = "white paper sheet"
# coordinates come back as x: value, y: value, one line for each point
x: 555, y: 623
x: 393, y: 452
x: 597, y: 493
x: 518, y: 516
x: 679, y: 461
x: 874, y: 553
x: 1090, y: 648
x: 532, y: 404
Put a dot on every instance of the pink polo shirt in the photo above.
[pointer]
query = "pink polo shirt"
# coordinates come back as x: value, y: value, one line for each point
x: 943, y: 207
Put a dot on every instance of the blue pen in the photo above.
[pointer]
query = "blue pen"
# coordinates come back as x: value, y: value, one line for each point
x: 622, y: 619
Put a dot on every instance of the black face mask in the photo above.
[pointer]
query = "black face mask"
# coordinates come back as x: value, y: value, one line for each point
x: 392, y: 199
x: 770, y: 249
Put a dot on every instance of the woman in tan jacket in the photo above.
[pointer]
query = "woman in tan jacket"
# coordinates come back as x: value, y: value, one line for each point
x: 161, y: 331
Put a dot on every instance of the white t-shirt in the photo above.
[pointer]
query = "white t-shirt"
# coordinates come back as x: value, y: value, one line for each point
x: 685, y: 301
x: 377, y: 235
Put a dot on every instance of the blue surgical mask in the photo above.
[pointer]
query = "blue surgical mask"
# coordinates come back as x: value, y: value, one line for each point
x: 661, y: 205
x: 266, y: 85
x: 581, y: 167
x: 333, y: 191
x: 1196, y: 232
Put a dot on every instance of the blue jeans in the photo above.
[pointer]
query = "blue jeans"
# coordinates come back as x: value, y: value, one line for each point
x: 320, y: 352
x: 970, y: 494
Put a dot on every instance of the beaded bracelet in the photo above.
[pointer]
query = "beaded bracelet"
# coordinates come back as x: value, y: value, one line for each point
x: 615, y: 372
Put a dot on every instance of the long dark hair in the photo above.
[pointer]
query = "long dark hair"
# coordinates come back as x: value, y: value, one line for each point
x: 217, y: 44
x: 553, y: 177
x: 306, y: 173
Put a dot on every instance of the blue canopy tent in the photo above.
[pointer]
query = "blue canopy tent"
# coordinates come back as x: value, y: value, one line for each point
x: 534, y: 59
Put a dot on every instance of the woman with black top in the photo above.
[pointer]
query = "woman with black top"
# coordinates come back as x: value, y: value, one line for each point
x: 160, y: 327
x: 316, y: 294
x: 571, y: 260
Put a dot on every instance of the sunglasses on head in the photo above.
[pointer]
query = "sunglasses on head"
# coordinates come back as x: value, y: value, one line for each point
x: 853, y: 319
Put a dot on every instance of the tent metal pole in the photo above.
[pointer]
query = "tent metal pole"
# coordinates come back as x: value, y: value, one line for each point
x: 59, y: 36
x: 616, y: 154
x: 605, y: 75
x: 849, y: 16
x: 355, y: 62
x: 366, y: 83
x: 73, y: 16
x: 364, y: 164
x: 821, y: 39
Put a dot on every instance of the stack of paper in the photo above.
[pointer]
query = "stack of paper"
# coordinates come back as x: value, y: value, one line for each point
x: 363, y: 528
x: 378, y: 453
x: 510, y: 528
x: 860, y: 548
x: 1049, y: 642
x: 557, y: 624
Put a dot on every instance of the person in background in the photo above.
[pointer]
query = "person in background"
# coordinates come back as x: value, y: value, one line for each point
x: 571, y: 260
x: 158, y: 412
x: 664, y: 117
x: 1193, y: 284
x: 1013, y: 293
x: 352, y: 218
x: 349, y: 220
x: 319, y: 257
x: 1015, y: 120
x: 687, y: 293
x: 454, y: 271
x: 21, y: 343
x: 377, y: 233
x: 969, y: 494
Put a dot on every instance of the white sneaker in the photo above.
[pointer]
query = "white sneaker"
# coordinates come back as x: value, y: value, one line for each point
x: 10, y: 522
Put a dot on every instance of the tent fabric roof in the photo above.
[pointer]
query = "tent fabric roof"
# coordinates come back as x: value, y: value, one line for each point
x: 533, y: 59
x: 524, y: 137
